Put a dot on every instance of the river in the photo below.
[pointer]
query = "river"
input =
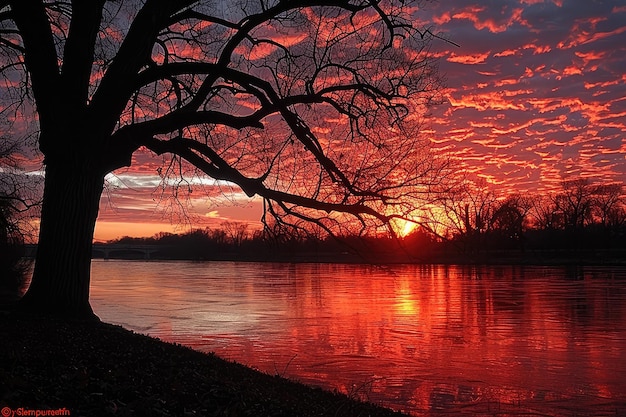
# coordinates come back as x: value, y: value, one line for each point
x: 428, y: 340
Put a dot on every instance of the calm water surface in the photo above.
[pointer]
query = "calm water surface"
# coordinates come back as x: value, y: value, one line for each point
x: 429, y: 340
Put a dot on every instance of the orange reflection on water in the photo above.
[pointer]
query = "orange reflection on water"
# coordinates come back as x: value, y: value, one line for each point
x: 430, y: 340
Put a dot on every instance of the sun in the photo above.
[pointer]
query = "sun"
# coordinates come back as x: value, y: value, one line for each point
x: 407, y: 228
x: 404, y: 227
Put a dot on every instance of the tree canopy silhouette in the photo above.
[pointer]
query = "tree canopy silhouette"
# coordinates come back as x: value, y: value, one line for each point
x: 315, y: 106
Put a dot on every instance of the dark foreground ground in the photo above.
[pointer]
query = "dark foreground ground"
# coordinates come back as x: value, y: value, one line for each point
x: 99, y: 369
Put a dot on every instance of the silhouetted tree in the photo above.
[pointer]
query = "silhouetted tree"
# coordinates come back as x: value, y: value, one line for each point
x: 575, y: 202
x: 609, y: 206
x: 469, y: 208
x: 311, y: 105
x: 582, y: 215
x: 543, y: 213
x: 17, y: 200
x: 236, y: 232
x: 509, y: 221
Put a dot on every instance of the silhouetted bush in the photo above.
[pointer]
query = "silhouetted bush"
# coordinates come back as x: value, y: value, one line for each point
x: 12, y: 266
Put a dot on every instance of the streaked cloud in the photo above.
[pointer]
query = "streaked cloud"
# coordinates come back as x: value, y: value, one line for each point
x: 536, y: 90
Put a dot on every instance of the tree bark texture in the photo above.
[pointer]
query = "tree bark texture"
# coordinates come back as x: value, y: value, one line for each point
x: 61, y: 278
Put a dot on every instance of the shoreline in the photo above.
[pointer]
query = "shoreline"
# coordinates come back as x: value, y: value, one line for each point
x: 100, y: 369
x: 528, y: 257
x: 486, y: 260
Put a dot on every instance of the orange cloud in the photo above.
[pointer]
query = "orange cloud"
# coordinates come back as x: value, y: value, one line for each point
x: 468, y: 59
x: 572, y: 70
x: 541, y: 49
x: 482, y: 102
x: 507, y: 52
x: 602, y: 35
x: 471, y: 14
x: 505, y: 81
x: 442, y: 19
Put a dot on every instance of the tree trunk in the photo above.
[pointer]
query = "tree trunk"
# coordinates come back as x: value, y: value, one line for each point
x: 60, y: 283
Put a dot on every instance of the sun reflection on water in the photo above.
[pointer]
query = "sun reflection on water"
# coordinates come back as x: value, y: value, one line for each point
x: 426, y: 339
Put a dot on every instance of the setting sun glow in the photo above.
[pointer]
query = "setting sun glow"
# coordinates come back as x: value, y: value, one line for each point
x: 404, y: 227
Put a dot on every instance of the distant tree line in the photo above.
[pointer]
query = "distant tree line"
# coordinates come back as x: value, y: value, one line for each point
x: 473, y: 223
x: 581, y: 221
x: 580, y: 216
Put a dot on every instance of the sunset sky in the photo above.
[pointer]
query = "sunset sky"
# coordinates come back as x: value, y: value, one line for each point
x: 536, y: 93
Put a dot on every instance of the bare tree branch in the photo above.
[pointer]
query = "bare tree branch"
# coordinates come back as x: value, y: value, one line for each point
x: 217, y: 168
